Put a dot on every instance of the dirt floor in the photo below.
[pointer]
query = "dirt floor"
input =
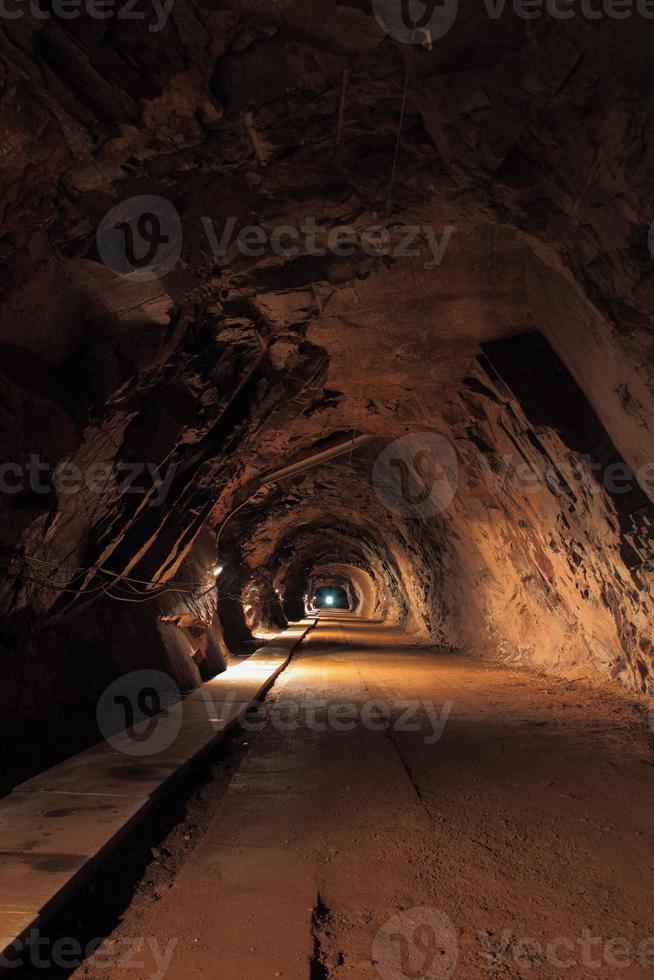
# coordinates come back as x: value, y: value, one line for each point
x: 402, y: 812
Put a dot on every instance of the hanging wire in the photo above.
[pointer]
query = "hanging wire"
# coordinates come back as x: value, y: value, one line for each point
x: 389, y: 201
x: 389, y: 209
x: 194, y: 589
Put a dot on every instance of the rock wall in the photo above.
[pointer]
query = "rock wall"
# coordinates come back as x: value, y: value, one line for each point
x: 530, y: 142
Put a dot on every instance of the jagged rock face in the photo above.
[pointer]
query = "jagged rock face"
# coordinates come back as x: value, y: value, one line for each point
x: 529, y: 561
x: 529, y: 140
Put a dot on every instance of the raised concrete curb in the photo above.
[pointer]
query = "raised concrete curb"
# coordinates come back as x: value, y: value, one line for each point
x: 57, y: 827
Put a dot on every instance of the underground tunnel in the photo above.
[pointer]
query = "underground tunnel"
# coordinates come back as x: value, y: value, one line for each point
x: 326, y: 489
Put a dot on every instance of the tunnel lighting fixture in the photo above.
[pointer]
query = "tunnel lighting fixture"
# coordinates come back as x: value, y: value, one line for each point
x: 216, y: 570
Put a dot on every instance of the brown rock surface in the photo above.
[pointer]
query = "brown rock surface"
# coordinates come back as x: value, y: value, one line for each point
x: 531, y: 141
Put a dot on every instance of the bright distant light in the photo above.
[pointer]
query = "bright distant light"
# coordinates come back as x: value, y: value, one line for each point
x: 329, y: 600
x: 217, y: 570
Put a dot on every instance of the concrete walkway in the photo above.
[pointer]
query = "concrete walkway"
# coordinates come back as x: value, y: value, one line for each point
x: 57, y: 827
x: 408, y: 813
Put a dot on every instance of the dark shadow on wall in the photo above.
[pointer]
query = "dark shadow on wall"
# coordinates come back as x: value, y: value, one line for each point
x: 238, y: 637
x: 550, y: 397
